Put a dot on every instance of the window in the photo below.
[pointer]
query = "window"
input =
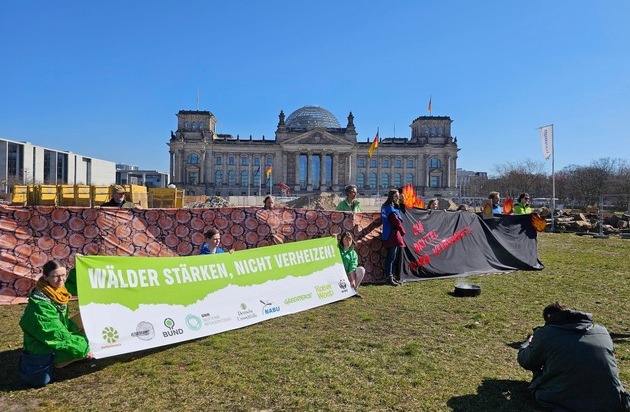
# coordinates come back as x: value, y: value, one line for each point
x: 269, y: 161
x: 244, y: 178
x: 231, y: 178
x: 386, y: 163
x: 256, y: 161
x: 397, y: 180
x: 384, y: 180
x: 201, y: 125
x: 218, y: 160
x: 435, y: 181
x: 231, y: 160
x: 256, y: 178
x: 398, y: 163
x: 218, y: 177
x: 193, y: 178
x: 409, y: 178
x: 193, y: 159
x: 361, y: 162
x: 434, y: 163
x: 194, y: 126
x: 315, y: 171
x: 410, y: 163
x: 186, y: 125
x: 360, y: 180
x: 373, y: 180
x: 373, y: 163
x: 244, y: 161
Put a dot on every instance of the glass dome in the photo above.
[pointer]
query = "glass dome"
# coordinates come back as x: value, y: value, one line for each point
x: 312, y: 116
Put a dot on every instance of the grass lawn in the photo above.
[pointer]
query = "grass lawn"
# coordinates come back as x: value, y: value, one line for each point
x: 410, y: 348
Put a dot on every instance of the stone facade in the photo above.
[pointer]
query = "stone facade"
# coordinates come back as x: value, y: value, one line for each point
x: 310, y: 153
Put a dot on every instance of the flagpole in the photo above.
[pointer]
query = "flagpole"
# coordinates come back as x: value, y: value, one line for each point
x: 553, y: 179
x: 377, y: 165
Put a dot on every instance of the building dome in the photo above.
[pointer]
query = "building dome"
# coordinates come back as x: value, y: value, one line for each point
x: 312, y: 116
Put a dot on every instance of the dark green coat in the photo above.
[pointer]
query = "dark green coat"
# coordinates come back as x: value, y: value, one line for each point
x: 47, y: 329
x: 574, y: 365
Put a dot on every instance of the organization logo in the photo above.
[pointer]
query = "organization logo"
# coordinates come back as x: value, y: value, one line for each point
x: 193, y: 322
x: 324, y: 291
x: 343, y: 285
x: 209, y: 319
x: 269, y: 308
x: 298, y: 298
x: 170, y: 324
x: 144, y: 331
x: 245, y: 313
x: 110, y: 335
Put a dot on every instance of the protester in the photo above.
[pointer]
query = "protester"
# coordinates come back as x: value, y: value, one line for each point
x: 118, y: 199
x: 49, y: 336
x: 211, y: 245
x: 350, y: 203
x: 393, y: 233
x: 350, y: 260
x: 522, y: 207
x: 573, y: 363
x: 433, y: 204
x: 495, y: 197
x: 269, y: 203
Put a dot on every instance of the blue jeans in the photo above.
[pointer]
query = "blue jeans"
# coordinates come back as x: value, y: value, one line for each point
x: 36, y: 370
x: 389, y: 260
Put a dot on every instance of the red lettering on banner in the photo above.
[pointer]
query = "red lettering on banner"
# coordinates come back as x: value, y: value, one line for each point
x: 421, y: 261
x: 417, y: 228
x: 449, y: 241
x: 422, y: 243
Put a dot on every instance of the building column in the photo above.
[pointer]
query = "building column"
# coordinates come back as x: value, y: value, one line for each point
x: 322, y: 170
x: 309, y: 164
x: 182, y: 166
x: 297, y: 171
x: 335, y: 169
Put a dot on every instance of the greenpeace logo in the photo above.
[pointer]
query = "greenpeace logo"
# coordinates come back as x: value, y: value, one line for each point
x: 299, y: 298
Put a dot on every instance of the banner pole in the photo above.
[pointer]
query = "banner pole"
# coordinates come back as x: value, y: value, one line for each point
x: 553, y: 179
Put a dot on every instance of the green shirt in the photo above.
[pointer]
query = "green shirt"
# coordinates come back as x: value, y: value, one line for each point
x: 344, y: 206
x: 521, y: 209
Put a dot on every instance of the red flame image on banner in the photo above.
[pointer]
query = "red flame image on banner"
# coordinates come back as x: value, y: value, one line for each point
x: 508, y: 206
x: 411, y: 198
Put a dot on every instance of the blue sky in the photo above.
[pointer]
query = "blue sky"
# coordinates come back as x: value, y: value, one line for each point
x: 105, y: 79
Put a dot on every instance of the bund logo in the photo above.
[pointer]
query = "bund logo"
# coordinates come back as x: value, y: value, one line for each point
x: 110, y: 334
x: 170, y: 324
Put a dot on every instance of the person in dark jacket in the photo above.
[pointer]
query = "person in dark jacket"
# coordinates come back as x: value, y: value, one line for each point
x: 393, y: 233
x: 573, y: 363
x: 118, y: 199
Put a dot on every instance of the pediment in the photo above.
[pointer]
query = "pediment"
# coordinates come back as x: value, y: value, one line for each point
x: 316, y: 137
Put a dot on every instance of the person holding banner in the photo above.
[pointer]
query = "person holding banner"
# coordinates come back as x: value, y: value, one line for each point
x: 211, y: 246
x: 522, y: 207
x: 393, y: 233
x: 268, y: 203
x: 495, y: 198
x: 350, y: 260
x: 50, y: 338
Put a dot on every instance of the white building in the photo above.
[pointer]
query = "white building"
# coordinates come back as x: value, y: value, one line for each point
x: 24, y: 163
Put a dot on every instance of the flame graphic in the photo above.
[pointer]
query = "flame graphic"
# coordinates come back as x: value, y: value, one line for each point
x: 508, y: 206
x: 411, y: 198
x: 538, y: 222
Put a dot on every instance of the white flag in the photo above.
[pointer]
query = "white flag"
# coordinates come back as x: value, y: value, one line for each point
x: 546, y: 140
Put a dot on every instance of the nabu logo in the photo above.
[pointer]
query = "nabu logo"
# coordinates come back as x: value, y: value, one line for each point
x: 269, y: 308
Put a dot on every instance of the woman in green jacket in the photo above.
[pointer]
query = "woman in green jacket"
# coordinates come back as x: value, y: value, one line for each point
x: 350, y: 260
x: 522, y: 207
x: 49, y: 336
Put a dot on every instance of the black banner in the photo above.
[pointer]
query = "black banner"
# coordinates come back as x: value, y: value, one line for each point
x: 442, y: 243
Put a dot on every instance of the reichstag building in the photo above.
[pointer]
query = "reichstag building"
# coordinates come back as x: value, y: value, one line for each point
x: 311, y: 152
